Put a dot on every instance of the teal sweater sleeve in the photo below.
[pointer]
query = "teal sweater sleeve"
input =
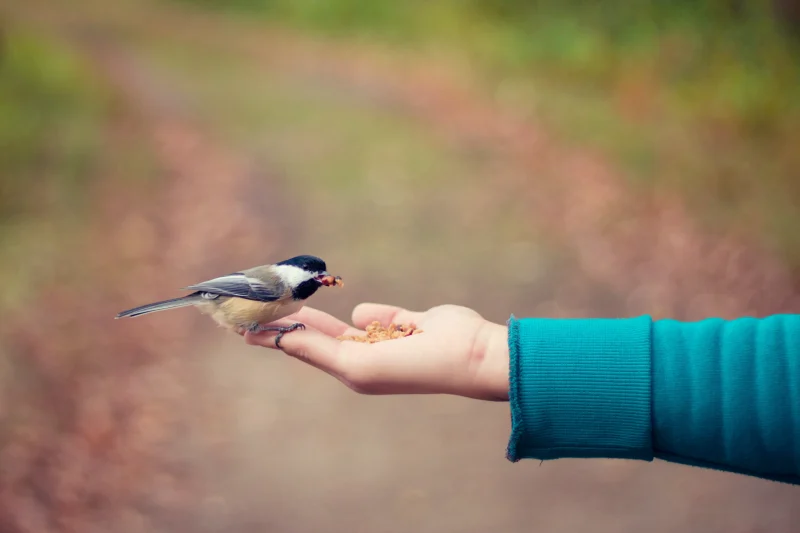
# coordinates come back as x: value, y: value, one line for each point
x: 714, y: 393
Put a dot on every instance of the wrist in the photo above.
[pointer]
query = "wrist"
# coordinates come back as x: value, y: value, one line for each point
x: 496, y: 360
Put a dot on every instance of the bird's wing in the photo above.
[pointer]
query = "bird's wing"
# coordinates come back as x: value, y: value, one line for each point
x: 240, y: 285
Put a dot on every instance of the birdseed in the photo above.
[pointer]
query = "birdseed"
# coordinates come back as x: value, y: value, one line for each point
x: 377, y: 333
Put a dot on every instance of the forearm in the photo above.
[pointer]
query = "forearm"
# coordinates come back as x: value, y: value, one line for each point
x: 715, y: 393
x: 726, y: 394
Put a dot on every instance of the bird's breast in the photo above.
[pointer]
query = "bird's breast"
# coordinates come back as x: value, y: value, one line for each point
x: 241, y: 313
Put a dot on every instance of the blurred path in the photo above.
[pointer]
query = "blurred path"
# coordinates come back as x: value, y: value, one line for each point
x: 624, y: 254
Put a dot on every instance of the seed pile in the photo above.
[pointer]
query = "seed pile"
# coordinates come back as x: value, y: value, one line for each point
x: 377, y: 333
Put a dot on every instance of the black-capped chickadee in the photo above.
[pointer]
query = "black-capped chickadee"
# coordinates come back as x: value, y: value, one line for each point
x: 247, y: 300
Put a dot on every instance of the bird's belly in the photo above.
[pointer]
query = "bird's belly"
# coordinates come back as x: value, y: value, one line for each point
x: 241, y: 313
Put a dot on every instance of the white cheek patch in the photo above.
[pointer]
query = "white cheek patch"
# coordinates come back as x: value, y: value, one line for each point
x: 292, y: 275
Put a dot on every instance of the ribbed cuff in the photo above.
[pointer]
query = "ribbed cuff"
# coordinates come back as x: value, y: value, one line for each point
x: 580, y: 388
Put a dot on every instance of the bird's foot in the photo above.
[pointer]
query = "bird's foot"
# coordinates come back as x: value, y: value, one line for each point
x: 282, y: 330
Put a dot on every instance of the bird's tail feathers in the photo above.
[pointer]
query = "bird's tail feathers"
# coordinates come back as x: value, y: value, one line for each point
x: 174, y: 303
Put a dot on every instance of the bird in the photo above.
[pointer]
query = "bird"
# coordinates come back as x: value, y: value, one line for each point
x: 251, y: 299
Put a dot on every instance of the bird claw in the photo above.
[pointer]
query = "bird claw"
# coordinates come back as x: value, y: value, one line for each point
x: 282, y: 330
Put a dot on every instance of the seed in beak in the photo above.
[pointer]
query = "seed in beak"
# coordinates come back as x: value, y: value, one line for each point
x: 331, y: 281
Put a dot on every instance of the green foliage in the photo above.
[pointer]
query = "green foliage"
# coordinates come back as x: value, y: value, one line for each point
x: 50, y: 111
x: 721, y: 59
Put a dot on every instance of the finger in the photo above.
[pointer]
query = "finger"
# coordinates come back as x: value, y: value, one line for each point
x: 366, y: 313
x: 327, y: 324
x: 381, y: 368
x: 369, y: 368
x: 309, y: 345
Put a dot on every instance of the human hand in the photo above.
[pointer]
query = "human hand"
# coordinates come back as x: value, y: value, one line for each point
x: 458, y: 352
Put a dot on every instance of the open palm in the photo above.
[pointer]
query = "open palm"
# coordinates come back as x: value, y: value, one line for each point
x: 459, y: 352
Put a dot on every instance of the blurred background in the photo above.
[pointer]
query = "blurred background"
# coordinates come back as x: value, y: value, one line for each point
x: 551, y: 158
